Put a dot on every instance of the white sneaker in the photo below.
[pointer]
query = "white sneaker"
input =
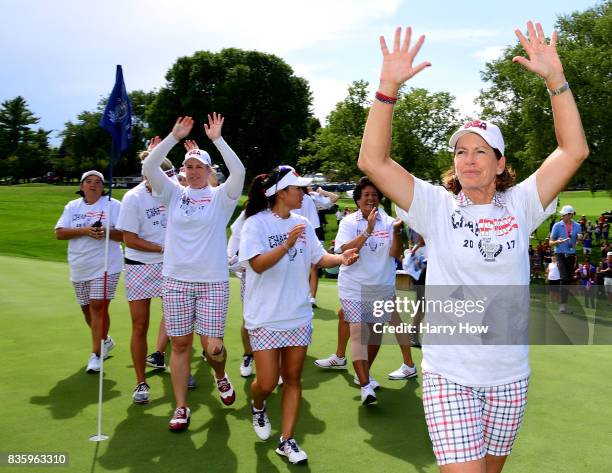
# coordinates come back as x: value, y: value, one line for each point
x: 290, y: 449
x: 368, y: 396
x: 404, y: 372
x: 141, y: 393
x: 93, y: 365
x: 246, y: 367
x: 107, y: 346
x: 375, y: 384
x: 333, y: 362
x: 313, y: 301
x: 261, y: 422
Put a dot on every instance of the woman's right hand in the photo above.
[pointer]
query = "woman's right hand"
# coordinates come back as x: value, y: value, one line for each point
x: 397, y: 65
x: 294, y: 233
x: 372, y: 220
x: 182, y: 127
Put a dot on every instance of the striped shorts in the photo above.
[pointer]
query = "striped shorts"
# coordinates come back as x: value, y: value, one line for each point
x: 94, y: 289
x: 264, y: 339
x: 203, y: 304
x: 466, y: 423
x: 357, y: 312
x: 143, y: 281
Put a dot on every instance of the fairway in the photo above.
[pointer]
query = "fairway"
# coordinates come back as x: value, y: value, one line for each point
x: 50, y: 403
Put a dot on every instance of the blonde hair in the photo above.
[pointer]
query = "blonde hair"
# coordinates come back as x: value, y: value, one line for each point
x: 165, y: 165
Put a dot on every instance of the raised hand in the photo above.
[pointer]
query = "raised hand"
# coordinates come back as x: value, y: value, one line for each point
x: 543, y: 57
x: 182, y: 127
x: 349, y: 256
x: 372, y: 219
x: 190, y: 144
x: 294, y: 233
x: 397, y: 224
x: 213, y: 128
x: 153, y: 142
x: 398, y: 65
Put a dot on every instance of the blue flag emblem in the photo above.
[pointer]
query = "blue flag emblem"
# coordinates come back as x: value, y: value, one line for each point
x: 117, y: 118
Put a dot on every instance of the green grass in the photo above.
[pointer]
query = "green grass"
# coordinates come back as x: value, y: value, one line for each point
x: 50, y: 404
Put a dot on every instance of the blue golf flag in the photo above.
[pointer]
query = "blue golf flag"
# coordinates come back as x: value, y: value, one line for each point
x: 117, y: 118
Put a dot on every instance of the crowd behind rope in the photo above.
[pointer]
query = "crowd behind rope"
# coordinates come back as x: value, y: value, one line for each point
x: 173, y: 227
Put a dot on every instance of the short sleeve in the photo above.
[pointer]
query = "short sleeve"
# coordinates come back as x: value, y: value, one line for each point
x: 116, y: 211
x: 64, y: 220
x: 251, y: 241
x: 346, y: 232
x: 525, y: 196
x: 427, y: 202
x: 128, y: 215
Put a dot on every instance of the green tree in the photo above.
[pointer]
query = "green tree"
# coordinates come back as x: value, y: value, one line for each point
x: 23, y: 150
x: 334, y: 149
x: 266, y: 106
x: 86, y: 146
x: 518, y: 100
x: 422, y: 124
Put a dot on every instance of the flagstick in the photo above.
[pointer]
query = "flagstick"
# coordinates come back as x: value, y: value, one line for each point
x: 99, y: 437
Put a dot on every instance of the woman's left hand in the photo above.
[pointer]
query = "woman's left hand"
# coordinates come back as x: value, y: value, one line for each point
x: 349, y: 256
x: 213, y: 128
x: 190, y: 144
x: 543, y: 57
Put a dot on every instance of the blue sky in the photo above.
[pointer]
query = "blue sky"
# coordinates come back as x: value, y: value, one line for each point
x: 61, y: 55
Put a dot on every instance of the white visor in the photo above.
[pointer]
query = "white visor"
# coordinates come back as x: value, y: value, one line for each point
x: 292, y: 178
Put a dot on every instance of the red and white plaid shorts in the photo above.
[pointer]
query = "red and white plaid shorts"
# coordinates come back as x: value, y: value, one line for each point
x: 94, y: 289
x: 201, y: 303
x: 357, y: 312
x: 264, y: 339
x: 143, y: 281
x: 466, y: 423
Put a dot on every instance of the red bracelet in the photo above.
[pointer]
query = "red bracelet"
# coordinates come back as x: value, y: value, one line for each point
x: 385, y: 98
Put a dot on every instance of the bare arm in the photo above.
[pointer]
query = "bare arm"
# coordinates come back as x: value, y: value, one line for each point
x: 374, y: 158
x: 265, y: 261
x: 347, y: 258
x: 133, y: 241
x: 572, y: 149
x: 70, y: 233
x: 330, y: 195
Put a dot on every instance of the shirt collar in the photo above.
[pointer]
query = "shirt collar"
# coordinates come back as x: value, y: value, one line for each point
x: 360, y: 216
x: 463, y: 200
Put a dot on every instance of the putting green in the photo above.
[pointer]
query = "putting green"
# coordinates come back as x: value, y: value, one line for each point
x: 50, y: 403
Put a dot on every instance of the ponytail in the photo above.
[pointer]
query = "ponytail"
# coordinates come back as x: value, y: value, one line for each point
x: 256, y: 200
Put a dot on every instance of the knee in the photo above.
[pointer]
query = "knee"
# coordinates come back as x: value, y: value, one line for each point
x: 95, y: 307
x: 180, y: 346
x: 292, y: 379
x: 140, y: 328
x: 267, y: 385
x: 215, y: 350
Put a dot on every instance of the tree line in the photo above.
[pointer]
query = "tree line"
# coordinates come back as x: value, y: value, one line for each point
x: 270, y: 120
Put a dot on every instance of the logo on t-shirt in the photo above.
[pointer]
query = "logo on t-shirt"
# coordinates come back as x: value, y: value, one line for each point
x: 489, y: 249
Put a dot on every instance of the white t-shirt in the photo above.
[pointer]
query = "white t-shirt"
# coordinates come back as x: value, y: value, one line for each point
x: 477, y: 246
x: 375, y: 266
x: 145, y: 215
x: 553, y: 272
x: 233, y: 245
x: 308, y: 210
x: 195, y: 249
x: 277, y: 299
x: 86, y: 255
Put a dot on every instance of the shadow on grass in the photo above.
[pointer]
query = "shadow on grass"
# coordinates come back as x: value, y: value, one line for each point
x: 325, y: 314
x: 397, y: 425
x: 73, y: 394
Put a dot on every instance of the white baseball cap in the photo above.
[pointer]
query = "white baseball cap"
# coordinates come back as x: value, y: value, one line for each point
x: 198, y: 154
x: 567, y: 209
x: 487, y: 130
x: 292, y: 178
x: 86, y: 174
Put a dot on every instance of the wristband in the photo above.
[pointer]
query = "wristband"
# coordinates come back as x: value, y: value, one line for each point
x: 366, y: 234
x: 385, y: 98
x: 559, y: 90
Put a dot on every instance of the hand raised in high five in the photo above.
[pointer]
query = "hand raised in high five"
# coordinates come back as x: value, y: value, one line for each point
x: 372, y: 219
x: 213, y: 128
x: 153, y: 142
x: 398, y: 65
x: 182, y: 127
x: 543, y: 57
x: 190, y: 144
